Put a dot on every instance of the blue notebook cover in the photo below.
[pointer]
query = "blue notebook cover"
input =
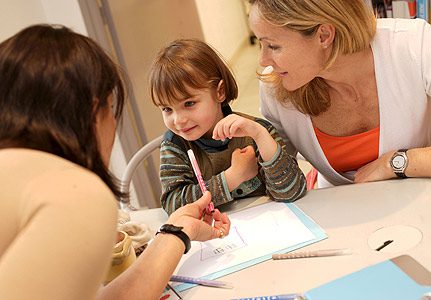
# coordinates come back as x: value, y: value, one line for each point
x: 400, y: 278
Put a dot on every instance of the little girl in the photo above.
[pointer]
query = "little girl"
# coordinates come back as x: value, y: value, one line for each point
x: 239, y: 155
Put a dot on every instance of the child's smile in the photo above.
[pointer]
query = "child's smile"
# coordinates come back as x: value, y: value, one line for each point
x: 196, y: 116
x: 186, y: 130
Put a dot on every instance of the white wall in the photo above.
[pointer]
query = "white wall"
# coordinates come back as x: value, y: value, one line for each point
x: 224, y: 24
x: 17, y: 14
x: 65, y: 12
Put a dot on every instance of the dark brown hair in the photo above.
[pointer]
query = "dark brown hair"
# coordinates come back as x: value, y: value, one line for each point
x: 188, y: 63
x: 50, y: 79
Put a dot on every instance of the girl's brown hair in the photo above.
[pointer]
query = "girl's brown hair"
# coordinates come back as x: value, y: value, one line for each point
x: 188, y: 63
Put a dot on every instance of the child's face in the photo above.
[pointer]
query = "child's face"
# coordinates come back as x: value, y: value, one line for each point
x: 195, y: 117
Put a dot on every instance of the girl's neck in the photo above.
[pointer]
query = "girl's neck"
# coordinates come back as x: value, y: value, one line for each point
x: 221, y: 113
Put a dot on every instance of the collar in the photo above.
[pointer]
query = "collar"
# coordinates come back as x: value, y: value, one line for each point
x: 211, y: 145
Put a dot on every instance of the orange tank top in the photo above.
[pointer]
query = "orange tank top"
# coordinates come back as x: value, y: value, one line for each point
x: 349, y: 153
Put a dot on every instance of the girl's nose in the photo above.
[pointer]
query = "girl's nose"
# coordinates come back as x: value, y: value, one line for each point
x: 180, y: 118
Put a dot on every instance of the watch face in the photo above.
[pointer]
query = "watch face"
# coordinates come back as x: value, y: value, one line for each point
x: 398, y: 162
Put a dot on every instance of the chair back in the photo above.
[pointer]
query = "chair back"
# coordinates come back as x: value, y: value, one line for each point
x: 134, y: 162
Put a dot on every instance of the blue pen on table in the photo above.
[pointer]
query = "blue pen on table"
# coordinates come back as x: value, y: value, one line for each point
x: 275, y: 297
x: 200, y: 281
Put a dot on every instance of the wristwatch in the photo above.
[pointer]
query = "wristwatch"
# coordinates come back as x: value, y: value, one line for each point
x: 177, y: 231
x: 399, y: 162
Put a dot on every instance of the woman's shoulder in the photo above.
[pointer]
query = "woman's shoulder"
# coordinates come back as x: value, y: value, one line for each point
x: 42, y: 189
x: 400, y: 43
x: 400, y: 24
x: 400, y: 31
x: 40, y: 162
x: 45, y: 177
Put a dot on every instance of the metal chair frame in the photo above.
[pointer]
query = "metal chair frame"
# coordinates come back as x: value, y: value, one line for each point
x: 134, y: 162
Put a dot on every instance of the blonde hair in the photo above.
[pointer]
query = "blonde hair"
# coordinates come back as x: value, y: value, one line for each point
x: 188, y: 63
x: 355, y: 27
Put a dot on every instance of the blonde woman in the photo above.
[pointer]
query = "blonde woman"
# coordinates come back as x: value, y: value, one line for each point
x: 349, y: 92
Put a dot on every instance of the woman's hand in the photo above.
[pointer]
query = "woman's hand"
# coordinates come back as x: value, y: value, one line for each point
x: 376, y: 170
x: 189, y: 217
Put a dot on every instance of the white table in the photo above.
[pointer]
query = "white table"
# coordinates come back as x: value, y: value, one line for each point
x: 353, y: 216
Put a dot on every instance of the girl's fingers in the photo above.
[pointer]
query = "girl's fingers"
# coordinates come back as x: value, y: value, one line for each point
x: 226, y: 129
x: 216, y: 136
x: 219, y: 131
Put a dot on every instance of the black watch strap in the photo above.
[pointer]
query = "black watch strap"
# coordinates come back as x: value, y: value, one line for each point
x: 177, y: 231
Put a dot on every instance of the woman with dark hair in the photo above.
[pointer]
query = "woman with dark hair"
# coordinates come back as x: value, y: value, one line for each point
x: 53, y: 85
x: 60, y: 98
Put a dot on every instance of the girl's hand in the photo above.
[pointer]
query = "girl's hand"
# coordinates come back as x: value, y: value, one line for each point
x: 243, y: 167
x: 236, y: 126
x: 189, y: 217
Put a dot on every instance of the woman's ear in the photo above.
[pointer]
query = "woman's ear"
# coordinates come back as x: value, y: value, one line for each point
x: 221, y: 93
x: 95, y: 106
x: 326, y: 35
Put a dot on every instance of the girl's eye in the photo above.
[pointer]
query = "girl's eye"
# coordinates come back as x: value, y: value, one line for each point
x: 189, y: 103
x: 166, y: 109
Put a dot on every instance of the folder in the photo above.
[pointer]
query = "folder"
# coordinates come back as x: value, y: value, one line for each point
x: 399, y: 278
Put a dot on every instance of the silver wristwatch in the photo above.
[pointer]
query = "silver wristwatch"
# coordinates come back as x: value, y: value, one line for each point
x: 399, y: 162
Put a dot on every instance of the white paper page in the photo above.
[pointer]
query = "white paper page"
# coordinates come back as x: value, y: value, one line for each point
x: 255, y: 232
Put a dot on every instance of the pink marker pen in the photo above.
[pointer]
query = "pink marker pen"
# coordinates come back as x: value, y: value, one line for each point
x: 210, y: 207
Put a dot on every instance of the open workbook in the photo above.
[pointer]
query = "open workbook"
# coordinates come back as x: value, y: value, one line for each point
x: 256, y: 233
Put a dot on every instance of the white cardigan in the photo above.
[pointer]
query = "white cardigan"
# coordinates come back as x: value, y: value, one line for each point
x: 402, y: 62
